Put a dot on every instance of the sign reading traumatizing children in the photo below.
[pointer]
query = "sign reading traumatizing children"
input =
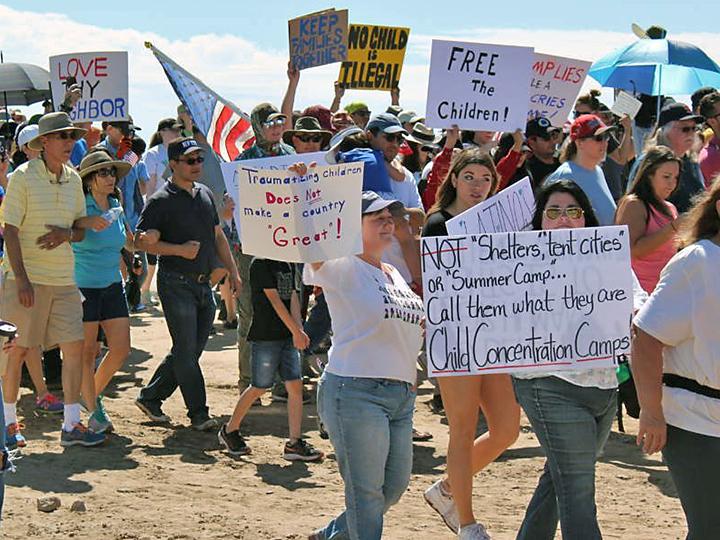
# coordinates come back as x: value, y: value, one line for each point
x: 103, y: 80
x: 318, y: 38
x: 478, y: 86
x: 527, y: 301
x: 309, y: 218
x: 556, y: 82
x: 375, y: 57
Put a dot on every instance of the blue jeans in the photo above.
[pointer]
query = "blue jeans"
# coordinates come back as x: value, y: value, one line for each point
x: 271, y: 357
x: 370, y: 427
x: 693, y: 462
x: 572, y: 424
x: 317, y: 326
x: 189, y: 309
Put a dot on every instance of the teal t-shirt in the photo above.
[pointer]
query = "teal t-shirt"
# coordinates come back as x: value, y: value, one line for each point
x: 97, y: 257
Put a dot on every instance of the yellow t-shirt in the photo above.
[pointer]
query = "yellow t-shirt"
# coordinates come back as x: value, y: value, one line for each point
x: 35, y: 198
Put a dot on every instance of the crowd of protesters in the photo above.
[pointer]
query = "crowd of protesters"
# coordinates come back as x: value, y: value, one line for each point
x: 91, y: 220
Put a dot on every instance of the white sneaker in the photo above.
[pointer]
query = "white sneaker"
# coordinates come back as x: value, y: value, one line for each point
x: 473, y: 532
x: 443, y: 504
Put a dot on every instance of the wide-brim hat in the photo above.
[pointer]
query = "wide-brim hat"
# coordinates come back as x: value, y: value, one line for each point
x: 95, y: 161
x: 424, y: 136
x: 310, y: 125
x: 55, y: 122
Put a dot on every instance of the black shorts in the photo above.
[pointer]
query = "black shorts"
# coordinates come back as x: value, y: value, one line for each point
x: 152, y: 259
x: 104, y: 304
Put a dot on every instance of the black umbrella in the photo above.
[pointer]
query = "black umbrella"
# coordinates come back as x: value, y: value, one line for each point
x: 23, y: 84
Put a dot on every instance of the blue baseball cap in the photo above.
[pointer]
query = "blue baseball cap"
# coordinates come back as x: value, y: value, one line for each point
x: 385, y: 122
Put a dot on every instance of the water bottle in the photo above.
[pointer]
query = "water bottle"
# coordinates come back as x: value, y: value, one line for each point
x: 113, y: 214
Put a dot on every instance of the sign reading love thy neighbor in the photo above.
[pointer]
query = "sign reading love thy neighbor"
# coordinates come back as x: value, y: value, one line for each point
x: 555, y: 83
x: 375, y: 57
x: 309, y: 218
x: 318, y: 38
x: 478, y: 86
x: 508, y: 211
x: 103, y: 80
x: 527, y: 301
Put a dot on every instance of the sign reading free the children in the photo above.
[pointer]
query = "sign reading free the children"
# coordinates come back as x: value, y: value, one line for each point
x: 103, y: 81
x: 309, y: 218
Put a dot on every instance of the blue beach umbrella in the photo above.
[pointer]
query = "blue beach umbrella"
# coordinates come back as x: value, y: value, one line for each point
x: 657, y: 67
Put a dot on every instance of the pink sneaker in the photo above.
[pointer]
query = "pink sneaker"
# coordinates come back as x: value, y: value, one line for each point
x: 49, y: 404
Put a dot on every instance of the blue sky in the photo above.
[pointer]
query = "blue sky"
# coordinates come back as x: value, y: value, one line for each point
x: 241, y: 52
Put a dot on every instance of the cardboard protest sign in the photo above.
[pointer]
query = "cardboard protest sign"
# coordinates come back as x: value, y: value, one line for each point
x: 318, y: 38
x: 310, y: 218
x: 478, y: 86
x: 510, y: 210
x: 231, y: 172
x: 103, y: 80
x: 555, y: 84
x: 626, y: 104
x: 527, y: 301
x: 375, y: 57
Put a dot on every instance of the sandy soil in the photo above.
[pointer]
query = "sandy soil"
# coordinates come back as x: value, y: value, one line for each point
x: 169, y: 482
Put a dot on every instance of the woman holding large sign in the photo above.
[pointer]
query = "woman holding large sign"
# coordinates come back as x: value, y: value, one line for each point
x: 571, y: 412
x: 676, y: 363
x: 472, y: 179
x: 367, y: 392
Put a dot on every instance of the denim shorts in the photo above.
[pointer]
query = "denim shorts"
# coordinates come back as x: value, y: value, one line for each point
x: 269, y: 357
x: 104, y: 304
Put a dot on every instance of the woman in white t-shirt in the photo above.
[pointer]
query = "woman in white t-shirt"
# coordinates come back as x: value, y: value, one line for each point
x: 367, y: 392
x: 676, y: 365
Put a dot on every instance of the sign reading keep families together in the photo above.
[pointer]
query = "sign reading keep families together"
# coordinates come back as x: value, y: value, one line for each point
x: 527, y: 301
x: 103, y: 80
x: 318, y: 38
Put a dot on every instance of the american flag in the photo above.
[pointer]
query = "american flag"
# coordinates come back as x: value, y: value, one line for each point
x: 227, y: 128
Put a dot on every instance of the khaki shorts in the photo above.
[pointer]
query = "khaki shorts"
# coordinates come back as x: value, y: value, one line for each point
x: 54, y: 318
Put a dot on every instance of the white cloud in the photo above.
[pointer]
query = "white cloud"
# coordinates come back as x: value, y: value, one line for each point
x: 241, y: 71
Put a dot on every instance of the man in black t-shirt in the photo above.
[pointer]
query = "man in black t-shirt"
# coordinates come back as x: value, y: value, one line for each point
x: 180, y: 224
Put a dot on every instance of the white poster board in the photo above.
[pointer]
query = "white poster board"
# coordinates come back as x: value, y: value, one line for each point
x: 231, y: 172
x: 478, y: 86
x: 310, y: 218
x: 555, y: 84
x: 527, y: 301
x: 103, y: 80
x: 510, y: 210
x: 626, y: 104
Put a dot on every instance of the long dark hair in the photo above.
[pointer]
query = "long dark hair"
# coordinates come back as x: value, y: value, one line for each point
x: 447, y: 193
x: 703, y: 221
x: 641, y: 186
x: 572, y: 189
x: 412, y: 161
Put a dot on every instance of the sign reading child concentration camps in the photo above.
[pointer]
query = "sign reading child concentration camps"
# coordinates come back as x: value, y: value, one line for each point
x: 375, y: 57
x: 103, y: 80
x: 510, y: 210
x: 478, y: 86
x: 527, y: 301
x: 310, y: 218
x: 556, y: 82
x: 318, y: 38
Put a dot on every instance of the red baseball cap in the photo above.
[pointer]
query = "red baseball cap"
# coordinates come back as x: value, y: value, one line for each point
x: 588, y: 125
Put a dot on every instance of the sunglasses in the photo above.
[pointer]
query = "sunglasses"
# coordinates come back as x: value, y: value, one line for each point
x: 393, y: 137
x: 572, y: 212
x: 598, y: 138
x: 577, y: 114
x: 310, y: 138
x: 64, y: 135
x: 193, y: 161
x: 107, y: 171
x: 688, y: 129
x: 274, y: 123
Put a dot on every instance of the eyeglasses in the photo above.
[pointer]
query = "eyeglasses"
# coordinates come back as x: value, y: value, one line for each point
x: 687, y: 129
x: 394, y: 137
x: 107, y: 171
x: 362, y: 113
x: 193, y: 161
x: 274, y: 123
x: 572, y: 212
x: 310, y: 138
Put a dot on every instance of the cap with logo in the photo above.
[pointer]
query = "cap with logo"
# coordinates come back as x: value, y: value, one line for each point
x: 588, y: 125
x: 540, y: 127
x: 182, y: 147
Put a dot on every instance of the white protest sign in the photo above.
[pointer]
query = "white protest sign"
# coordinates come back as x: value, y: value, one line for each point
x: 310, y: 218
x: 103, y: 80
x: 527, y: 301
x: 556, y: 82
x: 510, y: 210
x: 626, y: 104
x: 231, y: 172
x: 478, y: 86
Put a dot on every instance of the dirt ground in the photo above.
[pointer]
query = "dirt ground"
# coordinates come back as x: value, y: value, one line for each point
x: 169, y: 482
